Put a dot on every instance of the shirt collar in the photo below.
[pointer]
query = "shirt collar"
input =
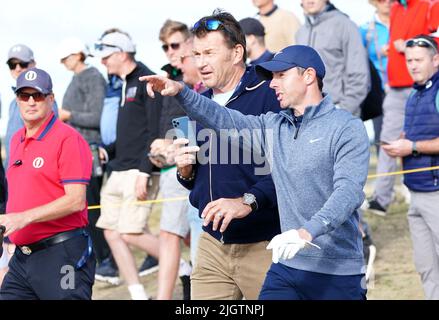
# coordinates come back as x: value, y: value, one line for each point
x: 42, y: 131
x: 269, y: 13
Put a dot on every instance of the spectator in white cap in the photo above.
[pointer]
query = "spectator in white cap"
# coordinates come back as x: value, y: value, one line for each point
x: 134, y: 177
x: 81, y: 108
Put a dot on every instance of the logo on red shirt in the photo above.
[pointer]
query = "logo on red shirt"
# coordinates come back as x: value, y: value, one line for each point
x: 38, y: 163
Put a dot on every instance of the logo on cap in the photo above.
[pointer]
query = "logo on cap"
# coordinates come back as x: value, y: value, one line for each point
x: 38, y: 163
x: 30, y: 76
x: 16, y: 49
x: 277, y: 53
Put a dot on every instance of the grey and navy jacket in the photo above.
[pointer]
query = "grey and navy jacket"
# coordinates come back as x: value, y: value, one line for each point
x: 422, y: 123
x: 219, y: 178
x: 338, y: 41
x: 319, y: 172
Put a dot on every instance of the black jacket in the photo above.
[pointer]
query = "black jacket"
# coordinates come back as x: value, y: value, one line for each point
x: 140, y: 121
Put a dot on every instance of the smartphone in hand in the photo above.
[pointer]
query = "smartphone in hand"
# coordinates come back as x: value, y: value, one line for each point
x: 184, y: 129
x: 381, y: 143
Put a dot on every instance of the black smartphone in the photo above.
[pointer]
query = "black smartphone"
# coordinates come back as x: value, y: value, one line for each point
x: 184, y: 129
x: 381, y: 143
x: 2, y: 231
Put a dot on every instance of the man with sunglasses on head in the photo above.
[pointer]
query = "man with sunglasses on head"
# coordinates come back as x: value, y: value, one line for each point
x: 232, y: 264
x: 319, y: 157
x: 49, y: 168
x: 134, y: 177
x: 408, y: 18
x: 419, y: 148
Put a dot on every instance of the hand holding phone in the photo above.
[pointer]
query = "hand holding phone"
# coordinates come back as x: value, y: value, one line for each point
x: 184, y: 129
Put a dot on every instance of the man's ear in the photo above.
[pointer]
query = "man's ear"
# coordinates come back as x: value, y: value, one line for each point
x: 310, y: 76
x: 436, y: 60
x: 238, y: 51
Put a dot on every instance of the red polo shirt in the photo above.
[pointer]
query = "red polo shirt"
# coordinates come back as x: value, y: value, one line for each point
x: 38, y: 169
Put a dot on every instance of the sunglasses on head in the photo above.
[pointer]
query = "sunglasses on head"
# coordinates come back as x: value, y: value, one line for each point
x: 208, y: 24
x: 101, y: 46
x: 420, y: 42
x: 37, y: 96
x: 173, y: 46
x: 213, y: 25
x: 13, y: 64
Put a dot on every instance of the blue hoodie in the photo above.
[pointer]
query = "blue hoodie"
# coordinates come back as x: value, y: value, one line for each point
x: 319, y: 172
x: 223, y: 179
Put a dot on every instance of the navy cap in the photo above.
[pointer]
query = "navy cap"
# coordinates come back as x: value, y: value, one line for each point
x: 252, y: 26
x: 290, y: 57
x: 35, y: 78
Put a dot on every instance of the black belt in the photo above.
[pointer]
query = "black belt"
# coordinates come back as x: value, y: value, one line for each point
x: 48, y: 242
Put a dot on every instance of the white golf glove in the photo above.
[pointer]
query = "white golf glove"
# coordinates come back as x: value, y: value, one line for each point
x: 287, y: 244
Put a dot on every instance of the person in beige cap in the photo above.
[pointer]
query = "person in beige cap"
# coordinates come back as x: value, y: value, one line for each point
x: 81, y: 108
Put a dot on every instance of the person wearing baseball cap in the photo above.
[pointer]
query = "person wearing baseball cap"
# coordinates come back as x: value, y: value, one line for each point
x: 82, y: 107
x: 319, y: 157
x: 114, y: 42
x: 20, y: 59
x: 46, y: 213
x: 255, y: 41
x: 138, y: 125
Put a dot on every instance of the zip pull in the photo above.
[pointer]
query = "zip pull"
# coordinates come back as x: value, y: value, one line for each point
x: 222, y: 238
x: 435, y: 182
x: 296, y: 133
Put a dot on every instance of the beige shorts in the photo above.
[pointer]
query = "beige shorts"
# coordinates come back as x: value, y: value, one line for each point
x: 174, y: 213
x: 118, y: 197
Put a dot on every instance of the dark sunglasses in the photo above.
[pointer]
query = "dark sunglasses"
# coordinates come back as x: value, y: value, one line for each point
x: 13, y: 64
x: 37, y: 96
x: 173, y: 46
x: 420, y: 42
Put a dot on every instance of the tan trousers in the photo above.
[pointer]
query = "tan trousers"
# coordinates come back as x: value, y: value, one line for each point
x: 229, y: 271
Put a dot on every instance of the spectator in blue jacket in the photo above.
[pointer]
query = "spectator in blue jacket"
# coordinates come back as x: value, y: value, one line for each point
x: 230, y: 264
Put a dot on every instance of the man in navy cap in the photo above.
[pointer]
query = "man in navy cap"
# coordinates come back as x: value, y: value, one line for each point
x: 254, y: 32
x: 319, y: 161
x: 49, y: 169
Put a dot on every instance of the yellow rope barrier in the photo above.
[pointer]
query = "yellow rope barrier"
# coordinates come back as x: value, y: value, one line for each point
x: 401, y: 172
x: 139, y: 203
x: 371, y: 176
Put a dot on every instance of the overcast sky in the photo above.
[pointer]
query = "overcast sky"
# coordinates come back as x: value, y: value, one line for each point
x: 43, y: 24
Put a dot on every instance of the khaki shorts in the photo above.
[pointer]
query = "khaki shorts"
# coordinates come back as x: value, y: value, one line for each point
x: 118, y: 197
x: 174, y: 213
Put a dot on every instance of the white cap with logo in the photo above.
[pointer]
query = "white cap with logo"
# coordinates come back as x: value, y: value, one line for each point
x: 113, y: 42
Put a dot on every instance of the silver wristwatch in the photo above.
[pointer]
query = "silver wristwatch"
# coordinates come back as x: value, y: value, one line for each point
x: 250, y: 200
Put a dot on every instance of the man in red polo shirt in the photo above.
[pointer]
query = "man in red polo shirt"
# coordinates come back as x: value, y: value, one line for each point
x: 49, y: 168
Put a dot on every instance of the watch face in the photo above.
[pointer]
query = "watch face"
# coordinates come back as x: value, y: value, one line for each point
x: 249, y: 198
